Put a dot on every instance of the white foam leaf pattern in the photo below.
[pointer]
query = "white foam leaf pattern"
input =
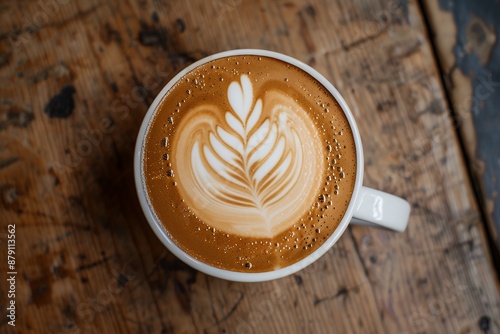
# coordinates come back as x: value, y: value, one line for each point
x: 235, y: 124
x: 241, y: 97
x: 250, y: 174
x: 254, y: 117
x: 260, y: 135
x: 230, y: 140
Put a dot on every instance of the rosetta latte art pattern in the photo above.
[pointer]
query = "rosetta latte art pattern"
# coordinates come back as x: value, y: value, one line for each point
x: 250, y: 170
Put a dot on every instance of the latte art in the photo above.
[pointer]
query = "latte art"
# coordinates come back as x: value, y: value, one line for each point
x: 260, y: 163
x: 249, y: 163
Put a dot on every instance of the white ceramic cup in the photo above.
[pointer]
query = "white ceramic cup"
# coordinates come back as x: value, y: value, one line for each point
x: 367, y: 206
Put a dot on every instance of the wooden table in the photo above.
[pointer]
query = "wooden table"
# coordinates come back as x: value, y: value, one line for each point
x: 85, y: 257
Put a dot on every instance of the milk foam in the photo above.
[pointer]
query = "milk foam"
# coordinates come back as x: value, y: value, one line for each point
x: 254, y: 171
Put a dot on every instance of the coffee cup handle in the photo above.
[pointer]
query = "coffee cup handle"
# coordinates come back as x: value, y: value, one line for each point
x: 376, y: 208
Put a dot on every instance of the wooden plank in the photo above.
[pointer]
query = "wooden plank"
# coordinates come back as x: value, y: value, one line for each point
x: 87, y: 260
x: 466, y: 37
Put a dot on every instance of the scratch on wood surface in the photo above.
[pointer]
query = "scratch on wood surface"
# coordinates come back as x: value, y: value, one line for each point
x: 231, y: 310
x: 45, y: 243
x: 358, y: 254
x: 32, y: 28
x: 434, y: 107
x: 405, y: 50
x: 342, y: 292
x: 93, y: 264
x: 155, y: 266
x: 363, y: 40
x: 7, y: 162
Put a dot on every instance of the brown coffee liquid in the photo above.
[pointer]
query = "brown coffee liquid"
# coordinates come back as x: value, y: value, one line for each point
x: 249, y: 163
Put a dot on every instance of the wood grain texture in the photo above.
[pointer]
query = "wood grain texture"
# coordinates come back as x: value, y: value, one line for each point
x: 87, y: 259
x: 466, y: 36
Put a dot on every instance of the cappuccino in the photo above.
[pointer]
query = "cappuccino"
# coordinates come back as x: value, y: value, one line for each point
x: 249, y: 163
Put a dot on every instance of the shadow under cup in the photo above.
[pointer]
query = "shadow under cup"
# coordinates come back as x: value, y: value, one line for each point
x: 248, y: 164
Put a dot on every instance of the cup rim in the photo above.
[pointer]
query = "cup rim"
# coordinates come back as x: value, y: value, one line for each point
x: 160, y: 230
